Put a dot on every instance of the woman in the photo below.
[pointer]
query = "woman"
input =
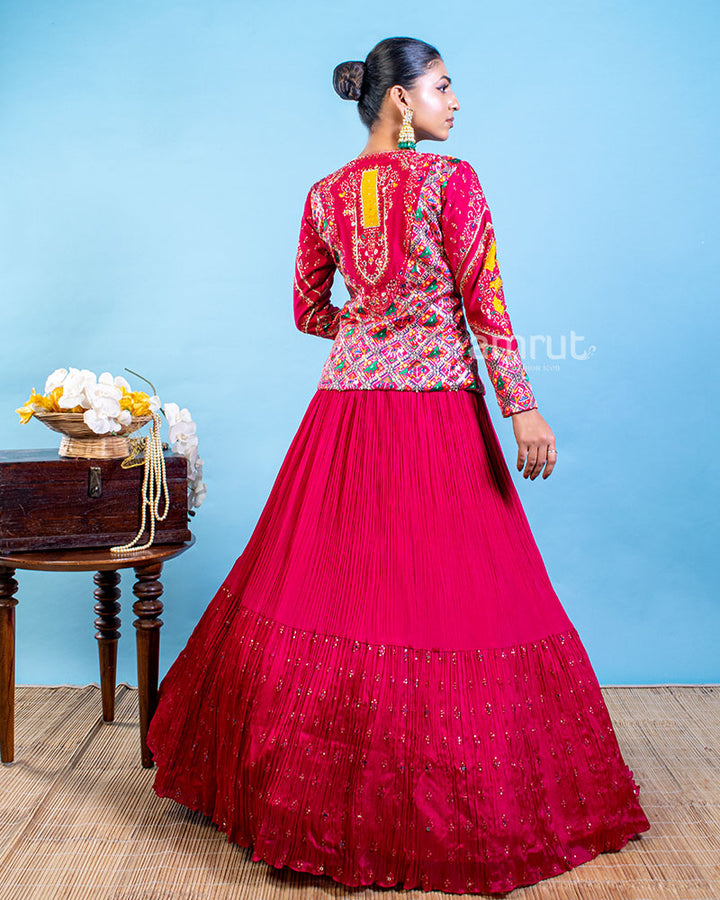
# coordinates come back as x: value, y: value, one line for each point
x: 386, y: 688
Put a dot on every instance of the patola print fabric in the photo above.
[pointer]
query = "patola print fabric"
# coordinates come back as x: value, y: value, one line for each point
x: 412, y: 236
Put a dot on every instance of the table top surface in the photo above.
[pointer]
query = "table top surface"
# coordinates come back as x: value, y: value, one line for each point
x: 97, y: 559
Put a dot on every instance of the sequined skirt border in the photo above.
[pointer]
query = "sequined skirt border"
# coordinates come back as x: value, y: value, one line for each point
x: 460, y: 771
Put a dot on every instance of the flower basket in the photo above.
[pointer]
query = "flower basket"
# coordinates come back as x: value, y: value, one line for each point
x: 95, y: 414
x: 82, y: 442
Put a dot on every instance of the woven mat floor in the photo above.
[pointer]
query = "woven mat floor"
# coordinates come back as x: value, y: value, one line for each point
x: 79, y: 819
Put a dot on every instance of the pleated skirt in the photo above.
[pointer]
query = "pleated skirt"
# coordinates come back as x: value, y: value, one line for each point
x: 386, y: 688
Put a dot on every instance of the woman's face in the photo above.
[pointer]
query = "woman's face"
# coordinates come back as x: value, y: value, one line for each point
x: 434, y: 102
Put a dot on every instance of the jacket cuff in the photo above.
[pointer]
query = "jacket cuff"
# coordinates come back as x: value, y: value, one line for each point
x: 509, y: 379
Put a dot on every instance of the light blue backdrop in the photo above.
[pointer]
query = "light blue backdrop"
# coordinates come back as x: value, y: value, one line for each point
x: 155, y: 157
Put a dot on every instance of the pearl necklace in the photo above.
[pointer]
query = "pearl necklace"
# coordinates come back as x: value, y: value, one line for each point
x: 153, y: 486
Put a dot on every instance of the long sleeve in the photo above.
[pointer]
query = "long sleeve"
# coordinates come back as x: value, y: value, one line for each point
x: 314, y: 273
x: 469, y: 241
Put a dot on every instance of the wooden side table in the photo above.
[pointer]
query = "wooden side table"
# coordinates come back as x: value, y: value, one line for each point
x: 148, y: 607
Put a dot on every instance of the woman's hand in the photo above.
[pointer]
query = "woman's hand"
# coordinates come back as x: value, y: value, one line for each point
x: 536, y: 443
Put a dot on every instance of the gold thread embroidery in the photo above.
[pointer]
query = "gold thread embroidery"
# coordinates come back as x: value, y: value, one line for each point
x: 370, y: 248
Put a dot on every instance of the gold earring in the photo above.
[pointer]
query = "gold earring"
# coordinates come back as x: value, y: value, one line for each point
x: 406, y: 138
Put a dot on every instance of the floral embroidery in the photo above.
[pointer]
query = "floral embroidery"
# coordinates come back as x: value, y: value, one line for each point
x: 412, y: 238
x: 409, y: 334
x: 369, y: 241
x: 469, y: 240
x: 314, y: 274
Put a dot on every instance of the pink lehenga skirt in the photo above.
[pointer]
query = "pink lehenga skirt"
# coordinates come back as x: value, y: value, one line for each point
x: 386, y: 688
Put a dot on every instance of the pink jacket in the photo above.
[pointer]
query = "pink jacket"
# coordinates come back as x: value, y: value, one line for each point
x: 412, y: 237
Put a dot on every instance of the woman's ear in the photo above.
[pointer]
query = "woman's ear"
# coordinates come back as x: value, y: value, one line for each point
x: 399, y: 98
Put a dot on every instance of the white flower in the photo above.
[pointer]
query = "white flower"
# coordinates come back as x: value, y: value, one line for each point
x: 197, y: 490
x: 74, y: 387
x: 185, y: 444
x: 176, y: 415
x: 198, y: 493
x: 172, y: 411
x: 194, y: 462
x: 190, y: 453
x: 182, y: 427
x: 98, y: 424
x: 104, y: 397
x: 183, y: 440
x: 55, y: 380
x: 154, y: 403
x: 121, y: 383
x: 125, y: 418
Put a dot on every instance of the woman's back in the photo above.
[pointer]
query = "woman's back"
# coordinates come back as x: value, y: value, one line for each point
x: 386, y: 688
x: 412, y: 237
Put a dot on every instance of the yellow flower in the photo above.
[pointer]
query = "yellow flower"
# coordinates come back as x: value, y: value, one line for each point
x: 26, y: 413
x: 27, y: 410
x: 136, y: 402
x: 53, y: 400
x: 42, y: 403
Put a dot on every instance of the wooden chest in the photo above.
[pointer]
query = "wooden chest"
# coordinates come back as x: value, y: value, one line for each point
x: 50, y: 502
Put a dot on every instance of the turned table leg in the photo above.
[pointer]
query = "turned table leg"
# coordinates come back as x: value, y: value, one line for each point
x: 107, y: 634
x: 8, y: 587
x: 147, y: 608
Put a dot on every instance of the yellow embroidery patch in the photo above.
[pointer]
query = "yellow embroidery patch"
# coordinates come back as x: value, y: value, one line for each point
x: 369, y: 197
x: 489, y: 263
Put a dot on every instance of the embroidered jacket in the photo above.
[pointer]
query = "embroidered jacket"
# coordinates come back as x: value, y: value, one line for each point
x: 412, y: 237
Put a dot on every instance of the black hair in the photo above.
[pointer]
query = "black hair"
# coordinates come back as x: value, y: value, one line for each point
x: 396, y: 60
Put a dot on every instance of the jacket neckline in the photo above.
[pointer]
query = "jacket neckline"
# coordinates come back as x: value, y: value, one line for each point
x: 401, y: 150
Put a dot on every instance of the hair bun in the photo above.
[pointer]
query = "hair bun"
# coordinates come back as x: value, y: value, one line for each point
x: 348, y: 79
